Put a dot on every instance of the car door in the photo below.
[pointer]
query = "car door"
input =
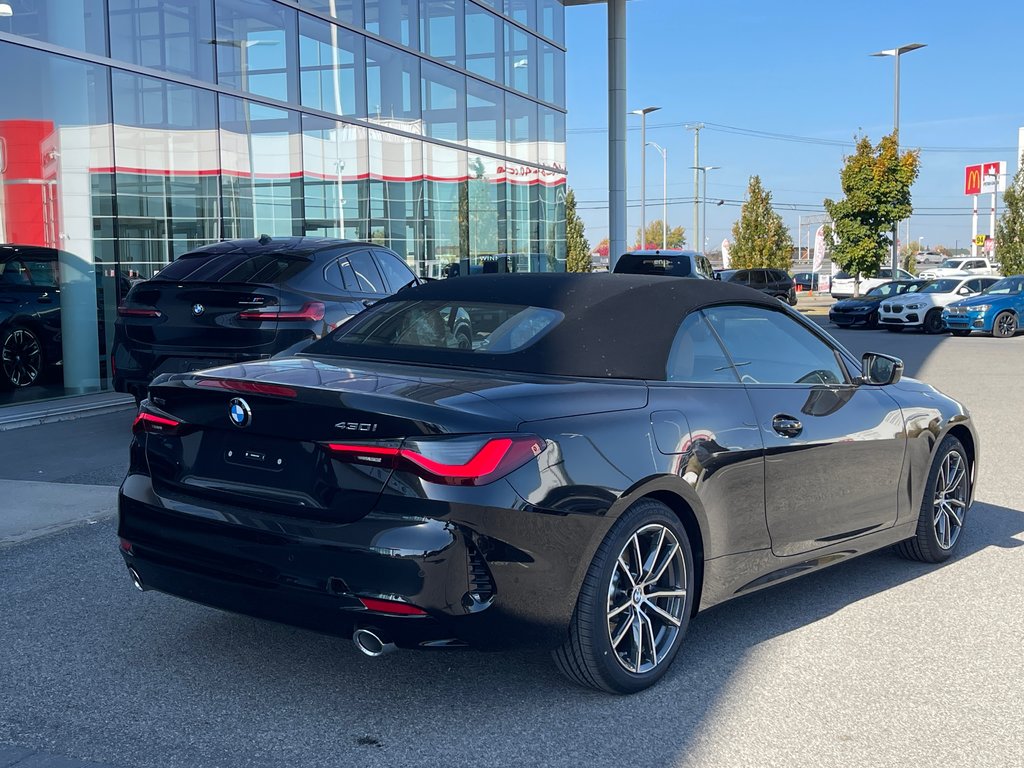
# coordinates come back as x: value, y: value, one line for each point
x: 833, y: 449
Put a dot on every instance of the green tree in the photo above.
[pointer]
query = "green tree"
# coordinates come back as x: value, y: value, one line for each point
x: 577, y: 249
x: 1010, y: 227
x: 876, y: 181
x: 674, y: 239
x: 759, y: 237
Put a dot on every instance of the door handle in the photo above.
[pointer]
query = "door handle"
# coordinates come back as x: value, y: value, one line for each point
x: 787, y: 426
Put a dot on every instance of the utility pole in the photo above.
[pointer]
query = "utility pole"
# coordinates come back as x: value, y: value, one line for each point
x: 696, y: 128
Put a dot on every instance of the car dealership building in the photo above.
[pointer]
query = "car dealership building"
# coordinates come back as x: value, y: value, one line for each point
x: 132, y: 131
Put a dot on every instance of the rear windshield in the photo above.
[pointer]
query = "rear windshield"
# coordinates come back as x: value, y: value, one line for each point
x: 634, y: 264
x: 466, y: 327
x: 234, y: 267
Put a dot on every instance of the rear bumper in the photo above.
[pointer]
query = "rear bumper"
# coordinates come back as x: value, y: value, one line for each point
x: 475, y: 588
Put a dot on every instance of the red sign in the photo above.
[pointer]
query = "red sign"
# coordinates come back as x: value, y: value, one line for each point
x: 990, y: 169
x: 972, y: 179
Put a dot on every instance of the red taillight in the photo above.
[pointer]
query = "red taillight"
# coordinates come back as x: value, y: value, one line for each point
x: 448, y: 461
x: 393, y: 607
x: 157, y: 425
x: 126, y: 546
x: 126, y: 311
x: 248, y: 387
x: 313, y: 310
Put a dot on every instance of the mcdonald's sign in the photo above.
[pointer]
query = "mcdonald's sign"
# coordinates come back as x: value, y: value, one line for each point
x: 972, y: 180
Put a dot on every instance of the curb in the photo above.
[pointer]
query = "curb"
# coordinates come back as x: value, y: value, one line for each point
x: 16, y: 417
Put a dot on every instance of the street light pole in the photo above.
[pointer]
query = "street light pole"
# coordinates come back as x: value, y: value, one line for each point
x: 664, y: 193
x: 896, y: 53
x: 696, y: 128
x: 703, y: 169
x: 643, y: 170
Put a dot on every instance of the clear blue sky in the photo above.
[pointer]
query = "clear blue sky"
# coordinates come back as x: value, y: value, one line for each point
x: 802, y: 69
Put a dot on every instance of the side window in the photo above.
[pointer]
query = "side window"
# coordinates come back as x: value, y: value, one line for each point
x: 697, y: 357
x: 358, y: 269
x: 14, y: 272
x: 758, y: 278
x: 395, y: 271
x: 886, y: 273
x: 742, y: 277
x: 975, y: 286
x: 43, y: 272
x: 706, y: 269
x: 769, y: 347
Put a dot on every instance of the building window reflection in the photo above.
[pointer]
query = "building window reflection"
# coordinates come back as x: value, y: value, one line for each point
x: 76, y: 24
x: 520, y: 60
x: 347, y: 11
x: 444, y: 103
x: 484, y: 44
x: 446, y: 209
x: 520, y: 128
x: 396, y: 193
x: 442, y: 30
x: 255, y: 47
x: 397, y: 20
x: 331, y: 63
x: 392, y: 87
x: 336, y: 182
x: 170, y: 35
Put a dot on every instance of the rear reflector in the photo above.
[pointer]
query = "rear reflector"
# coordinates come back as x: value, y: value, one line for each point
x: 475, y: 460
x: 313, y: 311
x: 393, y: 607
x: 124, y: 311
x: 157, y: 425
x: 248, y: 387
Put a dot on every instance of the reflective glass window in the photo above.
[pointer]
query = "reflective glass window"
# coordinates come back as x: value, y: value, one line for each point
x: 441, y: 30
x: 498, y: 5
x: 445, y: 214
x: 255, y: 44
x: 444, y: 103
x: 551, y: 248
x: 551, y: 79
x: 485, y: 117
x: 397, y: 20
x: 76, y: 24
x: 550, y: 137
x: 165, y: 135
x: 395, y: 272
x: 261, y: 169
x: 171, y: 35
x: 520, y: 60
x: 487, y: 212
x: 348, y: 11
x: 522, y: 219
x: 697, y: 357
x: 359, y: 269
x: 520, y: 127
x: 523, y: 11
x: 396, y: 194
x: 392, y: 86
x: 484, y: 43
x: 335, y: 170
x: 551, y: 20
x: 331, y: 67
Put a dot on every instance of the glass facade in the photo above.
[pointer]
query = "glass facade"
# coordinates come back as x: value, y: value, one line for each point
x: 434, y: 127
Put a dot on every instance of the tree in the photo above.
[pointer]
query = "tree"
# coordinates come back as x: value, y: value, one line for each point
x: 577, y: 249
x: 908, y: 256
x: 1010, y: 228
x: 675, y: 237
x: 602, y: 248
x: 876, y: 182
x: 759, y: 237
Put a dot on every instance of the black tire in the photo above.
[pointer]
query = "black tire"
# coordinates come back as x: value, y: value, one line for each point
x: 1005, y: 325
x: 872, y: 321
x: 933, y: 321
x: 590, y: 657
x: 21, y: 358
x: 894, y: 328
x: 930, y: 543
x: 961, y: 332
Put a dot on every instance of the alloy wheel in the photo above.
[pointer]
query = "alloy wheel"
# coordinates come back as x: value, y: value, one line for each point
x: 21, y: 357
x: 950, y: 502
x: 646, y: 598
x: 1006, y: 325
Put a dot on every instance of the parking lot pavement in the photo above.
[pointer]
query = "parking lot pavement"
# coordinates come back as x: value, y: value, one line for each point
x: 876, y: 661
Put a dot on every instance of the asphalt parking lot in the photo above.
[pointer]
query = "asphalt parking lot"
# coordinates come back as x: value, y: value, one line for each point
x: 873, y: 662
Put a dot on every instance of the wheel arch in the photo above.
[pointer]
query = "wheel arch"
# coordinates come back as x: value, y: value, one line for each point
x: 967, y: 439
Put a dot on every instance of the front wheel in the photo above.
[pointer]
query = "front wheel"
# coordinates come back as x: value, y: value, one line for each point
x: 21, y: 358
x: 1005, y: 325
x: 634, y: 607
x: 933, y: 321
x: 944, y: 506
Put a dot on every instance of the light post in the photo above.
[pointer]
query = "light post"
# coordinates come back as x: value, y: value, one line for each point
x: 643, y: 170
x: 703, y: 169
x: 664, y: 193
x: 896, y: 53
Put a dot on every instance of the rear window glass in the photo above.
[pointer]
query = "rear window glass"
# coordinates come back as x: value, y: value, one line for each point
x: 633, y: 264
x: 234, y: 267
x: 469, y: 327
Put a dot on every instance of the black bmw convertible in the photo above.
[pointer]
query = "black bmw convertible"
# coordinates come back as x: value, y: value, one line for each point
x: 607, y: 455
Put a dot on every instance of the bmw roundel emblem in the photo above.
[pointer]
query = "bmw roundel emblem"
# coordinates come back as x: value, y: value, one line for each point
x: 239, y: 412
x: 198, y: 309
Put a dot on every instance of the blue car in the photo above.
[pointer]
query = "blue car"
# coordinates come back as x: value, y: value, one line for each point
x: 997, y: 311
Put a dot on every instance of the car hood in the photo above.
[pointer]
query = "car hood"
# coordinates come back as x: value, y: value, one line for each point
x: 862, y: 301
x: 981, y: 298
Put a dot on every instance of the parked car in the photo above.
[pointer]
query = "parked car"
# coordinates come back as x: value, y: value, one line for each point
x: 923, y: 309
x: 659, y: 262
x: 246, y: 300
x: 864, y: 309
x: 807, y: 281
x: 842, y: 282
x: 961, y: 268
x: 774, y: 282
x: 997, y: 310
x: 531, y: 489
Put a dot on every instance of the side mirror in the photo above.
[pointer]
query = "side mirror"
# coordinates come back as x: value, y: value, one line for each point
x: 879, y: 370
x: 964, y: 291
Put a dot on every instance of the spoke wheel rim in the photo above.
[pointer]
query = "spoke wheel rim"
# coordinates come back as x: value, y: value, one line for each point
x: 950, y: 504
x: 1007, y: 325
x: 21, y: 357
x: 646, y: 598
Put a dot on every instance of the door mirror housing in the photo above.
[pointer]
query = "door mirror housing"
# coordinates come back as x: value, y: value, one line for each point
x: 964, y: 291
x: 878, y: 369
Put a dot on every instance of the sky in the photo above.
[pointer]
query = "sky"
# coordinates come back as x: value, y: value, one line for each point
x: 800, y: 69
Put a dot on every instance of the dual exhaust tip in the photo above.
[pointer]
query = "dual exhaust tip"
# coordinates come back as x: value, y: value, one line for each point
x: 370, y: 643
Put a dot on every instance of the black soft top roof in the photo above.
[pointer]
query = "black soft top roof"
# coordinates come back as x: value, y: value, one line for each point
x: 615, y: 326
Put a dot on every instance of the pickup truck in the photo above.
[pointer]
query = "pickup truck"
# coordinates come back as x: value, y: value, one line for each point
x: 842, y: 282
x: 960, y: 267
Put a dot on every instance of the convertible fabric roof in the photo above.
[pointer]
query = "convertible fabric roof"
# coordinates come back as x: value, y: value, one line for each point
x: 615, y: 326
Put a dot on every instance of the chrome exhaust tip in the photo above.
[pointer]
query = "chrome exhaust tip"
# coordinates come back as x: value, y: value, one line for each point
x: 371, y: 644
x: 136, y: 579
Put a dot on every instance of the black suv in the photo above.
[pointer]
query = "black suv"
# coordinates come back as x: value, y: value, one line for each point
x: 774, y: 282
x: 246, y: 300
x: 662, y: 262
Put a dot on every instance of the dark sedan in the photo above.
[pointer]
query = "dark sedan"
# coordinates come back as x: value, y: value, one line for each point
x: 864, y: 309
x: 246, y: 300
x: 609, y: 455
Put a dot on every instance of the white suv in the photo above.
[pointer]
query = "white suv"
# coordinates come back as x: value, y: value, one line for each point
x: 923, y: 309
x: 842, y: 282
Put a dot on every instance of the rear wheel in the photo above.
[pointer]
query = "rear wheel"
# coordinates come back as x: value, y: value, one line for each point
x: 634, y: 606
x: 21, y: 358
x: 944, y: 506
x: 933, y: 321
x: 1005, y: 325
